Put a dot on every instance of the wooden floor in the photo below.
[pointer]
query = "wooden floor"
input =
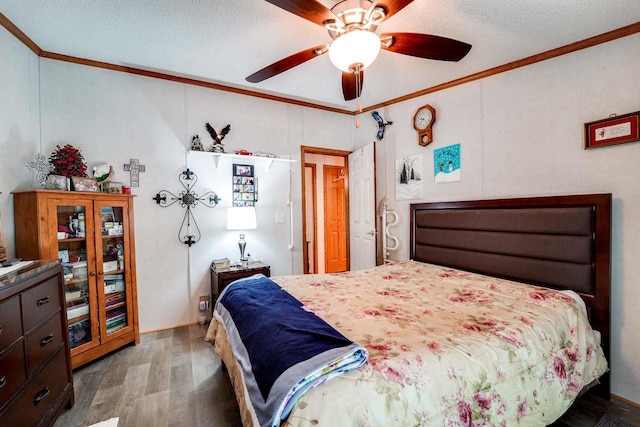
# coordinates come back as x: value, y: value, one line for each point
x: 173, y: 378
x: 587, y: 410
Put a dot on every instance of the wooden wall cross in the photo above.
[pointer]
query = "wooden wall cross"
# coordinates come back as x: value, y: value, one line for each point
x: 134, y: 168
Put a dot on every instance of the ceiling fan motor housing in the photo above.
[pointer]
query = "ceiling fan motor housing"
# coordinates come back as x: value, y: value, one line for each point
x: 352, y: 15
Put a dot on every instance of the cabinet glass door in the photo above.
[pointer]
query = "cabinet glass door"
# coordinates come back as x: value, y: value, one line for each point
x: 75, y: 250
x: 115, y: 301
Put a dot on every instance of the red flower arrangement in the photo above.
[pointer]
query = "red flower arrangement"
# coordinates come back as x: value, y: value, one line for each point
x: 68, y: 161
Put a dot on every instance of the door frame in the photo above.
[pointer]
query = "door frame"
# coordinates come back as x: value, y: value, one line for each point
x: 312, y: 167
x: 328, y: 152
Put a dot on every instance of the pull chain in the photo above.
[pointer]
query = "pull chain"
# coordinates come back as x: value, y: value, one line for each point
x: 358, y: 93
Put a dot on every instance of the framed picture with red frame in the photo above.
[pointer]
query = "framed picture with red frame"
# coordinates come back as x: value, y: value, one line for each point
x: 612, y: 130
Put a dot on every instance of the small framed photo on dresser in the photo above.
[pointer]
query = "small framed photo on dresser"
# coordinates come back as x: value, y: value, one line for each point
x: 84, y: 184
x: 114, y: 187
x: 57, y: 182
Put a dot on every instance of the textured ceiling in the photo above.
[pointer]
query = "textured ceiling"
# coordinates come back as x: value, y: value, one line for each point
x: 223, y: 41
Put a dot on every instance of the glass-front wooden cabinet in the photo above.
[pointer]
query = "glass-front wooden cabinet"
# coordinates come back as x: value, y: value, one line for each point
x: 92, y: 233
x: 3, y: 252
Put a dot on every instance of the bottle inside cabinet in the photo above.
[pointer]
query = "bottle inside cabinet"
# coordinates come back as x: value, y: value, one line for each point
x: 73, y: 252
x: 113, y: 256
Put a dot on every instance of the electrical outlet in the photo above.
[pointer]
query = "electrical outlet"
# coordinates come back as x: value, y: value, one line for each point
x: 204, y: 302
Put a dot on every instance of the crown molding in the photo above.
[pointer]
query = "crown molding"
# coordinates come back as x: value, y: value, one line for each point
x: 553, y: 53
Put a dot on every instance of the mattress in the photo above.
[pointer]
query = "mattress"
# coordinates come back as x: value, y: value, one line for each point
x: 446, y: 347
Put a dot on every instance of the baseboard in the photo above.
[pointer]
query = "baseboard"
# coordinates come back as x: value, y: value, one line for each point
x: 169, y: 327
x: 627, y: 401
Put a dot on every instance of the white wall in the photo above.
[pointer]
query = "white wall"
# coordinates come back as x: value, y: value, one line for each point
x: 19, y: 125
x: 521, y: 134
x: 113, y: 117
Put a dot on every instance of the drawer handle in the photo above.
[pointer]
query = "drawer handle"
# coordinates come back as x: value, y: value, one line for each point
x: 42, y: 395
x: 46, y: 340
x: 3, y: 382
x: 43, y: 301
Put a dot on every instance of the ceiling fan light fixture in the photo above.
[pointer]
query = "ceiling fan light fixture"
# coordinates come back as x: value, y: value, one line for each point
x: 356, y: 47
x: 333, y: 25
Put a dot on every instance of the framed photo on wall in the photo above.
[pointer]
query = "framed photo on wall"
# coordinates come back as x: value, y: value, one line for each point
x: 244, y: 185
x: 612, y: 130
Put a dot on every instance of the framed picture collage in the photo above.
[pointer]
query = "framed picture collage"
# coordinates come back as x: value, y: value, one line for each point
x: 244, y: 186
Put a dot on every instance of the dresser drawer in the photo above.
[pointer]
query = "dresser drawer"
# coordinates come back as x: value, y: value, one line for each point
x: 10, y: 324
x: 43, y: 342
x: 40, y: 302
x: 34, y: 403
x: 13, y: 372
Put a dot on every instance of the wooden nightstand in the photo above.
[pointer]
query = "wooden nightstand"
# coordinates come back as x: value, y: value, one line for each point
x: 221, y: 279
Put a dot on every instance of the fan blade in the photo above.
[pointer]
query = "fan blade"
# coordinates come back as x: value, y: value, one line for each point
x: 287, y: 63
x: 311, y: 10
x: 393, y: 6
x: 350, y: 87
x: 426, y: 46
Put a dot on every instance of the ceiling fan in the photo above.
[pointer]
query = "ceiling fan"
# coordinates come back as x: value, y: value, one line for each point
x: 352, y: 25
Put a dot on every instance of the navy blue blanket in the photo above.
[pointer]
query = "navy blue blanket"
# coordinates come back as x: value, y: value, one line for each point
x: 283, y: 349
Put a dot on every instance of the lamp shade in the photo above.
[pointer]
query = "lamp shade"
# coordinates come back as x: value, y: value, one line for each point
x: 241, y: 218
x: 355, y: 47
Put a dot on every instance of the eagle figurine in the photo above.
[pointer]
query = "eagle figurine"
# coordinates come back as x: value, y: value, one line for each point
x: 217, y: 140
x: 381, y: 125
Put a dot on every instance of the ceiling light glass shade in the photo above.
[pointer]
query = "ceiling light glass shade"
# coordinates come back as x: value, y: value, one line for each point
x: 355, y: 47
x: 241, y: 218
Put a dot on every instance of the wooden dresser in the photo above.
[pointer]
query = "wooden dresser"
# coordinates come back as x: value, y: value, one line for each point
x: 36, y: 381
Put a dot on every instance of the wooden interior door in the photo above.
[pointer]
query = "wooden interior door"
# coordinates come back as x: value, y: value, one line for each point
x: 335, y: 219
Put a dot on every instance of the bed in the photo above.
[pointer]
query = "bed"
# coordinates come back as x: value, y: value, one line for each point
x: 476, y: 329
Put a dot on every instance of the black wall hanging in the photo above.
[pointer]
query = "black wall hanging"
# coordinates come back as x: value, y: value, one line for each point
x: 187, y: 199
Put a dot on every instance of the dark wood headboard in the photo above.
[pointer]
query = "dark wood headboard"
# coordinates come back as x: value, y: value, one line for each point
x: 561, y: 242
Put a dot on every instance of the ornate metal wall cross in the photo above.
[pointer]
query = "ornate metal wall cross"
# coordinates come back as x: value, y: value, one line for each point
x: 187, y: 199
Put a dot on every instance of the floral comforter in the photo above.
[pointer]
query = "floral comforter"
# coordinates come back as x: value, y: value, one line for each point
x: 447, y: 348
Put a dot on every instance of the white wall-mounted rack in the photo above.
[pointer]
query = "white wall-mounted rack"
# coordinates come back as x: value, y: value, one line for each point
x: 266, y: 161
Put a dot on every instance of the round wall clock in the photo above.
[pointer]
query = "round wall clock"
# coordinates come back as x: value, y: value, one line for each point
x: 423, y: 122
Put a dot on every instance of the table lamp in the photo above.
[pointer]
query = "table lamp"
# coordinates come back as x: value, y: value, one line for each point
x: 241, y: 218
